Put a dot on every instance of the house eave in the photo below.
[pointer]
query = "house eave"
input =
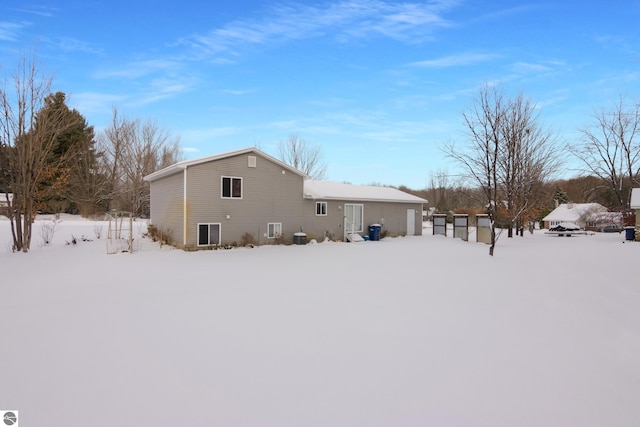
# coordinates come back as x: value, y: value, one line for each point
x: 181, y: 166
x: 364, y: 200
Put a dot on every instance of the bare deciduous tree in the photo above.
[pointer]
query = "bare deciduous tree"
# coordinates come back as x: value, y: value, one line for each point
x: 131, y: 150
x: 28, y: 139
x: 303, y: 156
x: 528, y: 158
x: 610, y: 149
x: 438, y: 191
x: 480, y: 158
x: 509, y: 156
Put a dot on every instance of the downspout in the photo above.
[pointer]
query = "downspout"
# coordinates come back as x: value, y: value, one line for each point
x: 184, y: 209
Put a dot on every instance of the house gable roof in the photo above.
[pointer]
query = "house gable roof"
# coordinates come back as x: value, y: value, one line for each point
x: 635, y: 198
x: 573, y: 211
x: 181, y: 166
x: 324, y: 190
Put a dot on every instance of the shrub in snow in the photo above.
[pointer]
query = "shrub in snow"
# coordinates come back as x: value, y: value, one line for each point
x: 157, y: 234
x: 48, y: 229
x: 97, y: 230
x: 248, y: 240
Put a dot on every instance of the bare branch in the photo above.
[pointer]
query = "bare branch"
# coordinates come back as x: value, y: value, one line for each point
x: 303, y: 156
x: 610, y: 149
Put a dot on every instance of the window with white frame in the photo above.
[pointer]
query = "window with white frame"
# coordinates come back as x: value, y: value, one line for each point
x: 231, y: 187
x: 208, y: 234
x: 321, y: 208
x: 274, y: 230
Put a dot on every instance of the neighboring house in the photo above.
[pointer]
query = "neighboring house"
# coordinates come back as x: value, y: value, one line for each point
x: 635, y: 205
x: 249, y: 195
x: 577, y: 213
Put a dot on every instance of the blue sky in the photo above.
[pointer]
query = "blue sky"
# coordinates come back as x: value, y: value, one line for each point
x: 379, y: 85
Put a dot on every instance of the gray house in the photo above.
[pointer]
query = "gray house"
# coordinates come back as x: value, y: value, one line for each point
x: 247, y: 194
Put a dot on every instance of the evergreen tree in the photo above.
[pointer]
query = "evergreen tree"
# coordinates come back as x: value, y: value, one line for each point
x: 560, y: 196
x: 72, y: 182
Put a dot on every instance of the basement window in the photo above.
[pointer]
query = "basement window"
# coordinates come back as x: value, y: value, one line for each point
x: 208, y: 234
x: 274, y: 230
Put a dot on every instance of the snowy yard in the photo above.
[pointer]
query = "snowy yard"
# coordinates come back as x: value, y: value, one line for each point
x: 414, y: 331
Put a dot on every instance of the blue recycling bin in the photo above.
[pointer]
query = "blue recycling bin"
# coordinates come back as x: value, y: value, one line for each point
x: 374, y: 232
x: 630, y: 233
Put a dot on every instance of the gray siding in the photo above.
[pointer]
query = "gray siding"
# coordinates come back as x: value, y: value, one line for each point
x: 268, y: 195
x: 271, y: 193
x: 167, y: 207
x: 392, y: 216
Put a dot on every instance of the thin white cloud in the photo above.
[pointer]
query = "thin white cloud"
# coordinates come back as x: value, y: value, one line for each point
x: 343, y: 20
x: 459, y: 60
x: 528, y: 68
x: 138, y: 69
x: 508, y: 13
x: 74, y: 45
x: 190, y: 150
x: 239, y: 92
x: 10, y: 31
x: 39, y: 10
x: 159, y: 89
x: 149, y: 81
x: 94, y: 102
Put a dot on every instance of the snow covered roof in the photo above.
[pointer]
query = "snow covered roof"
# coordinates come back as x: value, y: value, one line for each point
x: 180, y: 166
x: 635, y: 198
x: 325, y: 190
x: 572, y: 212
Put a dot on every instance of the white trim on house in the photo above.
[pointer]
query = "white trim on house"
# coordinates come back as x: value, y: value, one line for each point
x: 231, y: 187
x: 277, y: 230
x: 184, y: 210
x: 321, y: 208
x: 349, y: 222
x: 209, y: 224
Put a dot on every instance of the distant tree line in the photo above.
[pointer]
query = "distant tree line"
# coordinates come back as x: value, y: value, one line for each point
x: 446, y: 197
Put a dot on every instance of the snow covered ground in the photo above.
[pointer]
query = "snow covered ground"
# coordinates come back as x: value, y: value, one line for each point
x: 413, y: 331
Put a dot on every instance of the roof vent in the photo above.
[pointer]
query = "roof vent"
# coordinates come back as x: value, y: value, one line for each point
x: 252, y: 161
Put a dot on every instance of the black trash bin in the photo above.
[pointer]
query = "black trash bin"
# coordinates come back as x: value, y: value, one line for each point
x: 374, y: 232
x: 299, y: 238
x: 630, y: 233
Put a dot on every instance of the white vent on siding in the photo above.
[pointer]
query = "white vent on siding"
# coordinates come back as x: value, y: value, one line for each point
x: 252, y: 161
